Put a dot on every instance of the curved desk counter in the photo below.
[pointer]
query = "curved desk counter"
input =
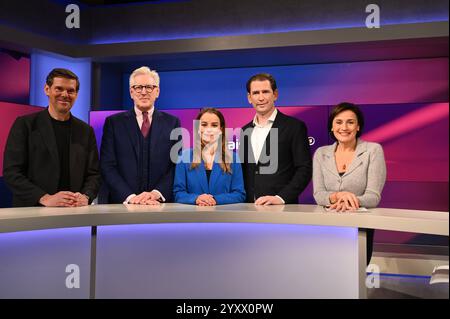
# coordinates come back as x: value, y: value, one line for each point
x: 183, y: 251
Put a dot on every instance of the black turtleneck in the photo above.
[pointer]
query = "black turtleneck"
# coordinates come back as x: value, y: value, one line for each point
x: 62, y: 136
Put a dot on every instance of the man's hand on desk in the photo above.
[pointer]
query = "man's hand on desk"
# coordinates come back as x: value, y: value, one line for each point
x: 152, y: 202
x: 269, y: 200
x: 146, y: 198
x: 60, y: 199
x: 81, y: 200
x: 64, y: 199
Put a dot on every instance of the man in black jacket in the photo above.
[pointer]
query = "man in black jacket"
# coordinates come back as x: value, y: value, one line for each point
x: 275, y: 153
x: 51, y: 157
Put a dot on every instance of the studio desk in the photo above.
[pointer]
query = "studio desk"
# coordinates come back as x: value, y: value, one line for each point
x: 183, y: 251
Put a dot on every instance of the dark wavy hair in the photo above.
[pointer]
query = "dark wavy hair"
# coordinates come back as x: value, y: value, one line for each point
x: 346, y: 106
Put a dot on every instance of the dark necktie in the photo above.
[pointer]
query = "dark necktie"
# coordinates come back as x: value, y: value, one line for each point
x: 145, y: 124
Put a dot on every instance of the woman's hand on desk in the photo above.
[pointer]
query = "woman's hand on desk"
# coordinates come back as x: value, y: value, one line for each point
x: 205, y: 200
x: 341, y: 207
x: 345, y: 201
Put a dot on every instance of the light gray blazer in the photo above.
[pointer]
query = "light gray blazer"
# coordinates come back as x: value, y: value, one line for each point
x: 365, y: 176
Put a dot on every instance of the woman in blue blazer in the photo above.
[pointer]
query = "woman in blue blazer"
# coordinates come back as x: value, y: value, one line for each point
x: 209, y: 174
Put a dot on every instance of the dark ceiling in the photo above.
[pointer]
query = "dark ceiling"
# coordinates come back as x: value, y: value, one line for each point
x: 112, y: 2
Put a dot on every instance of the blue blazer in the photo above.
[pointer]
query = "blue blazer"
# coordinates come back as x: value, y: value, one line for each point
x: 120, y: 152
x: 190, y: 183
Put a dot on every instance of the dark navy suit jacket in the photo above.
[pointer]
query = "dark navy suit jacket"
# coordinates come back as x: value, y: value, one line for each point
x: 190, y: 183
x: 120, y: 152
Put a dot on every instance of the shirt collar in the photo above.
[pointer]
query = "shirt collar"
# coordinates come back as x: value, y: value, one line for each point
x: 270, y: 120
x: 139, y: 112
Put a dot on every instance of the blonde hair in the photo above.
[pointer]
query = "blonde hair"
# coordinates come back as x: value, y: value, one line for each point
x: 144, y: 70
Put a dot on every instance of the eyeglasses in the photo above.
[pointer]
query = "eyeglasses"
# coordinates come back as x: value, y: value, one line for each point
x: 148, y: 88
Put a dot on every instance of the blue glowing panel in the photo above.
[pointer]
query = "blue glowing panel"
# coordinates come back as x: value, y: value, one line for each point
x: 226, y: 261
x: 42, y: 63
x: 403, y: 81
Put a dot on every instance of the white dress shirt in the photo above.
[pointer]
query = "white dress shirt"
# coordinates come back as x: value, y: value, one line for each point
x: 260, y: 133
x: 140, y: 120
x: 259, y: 136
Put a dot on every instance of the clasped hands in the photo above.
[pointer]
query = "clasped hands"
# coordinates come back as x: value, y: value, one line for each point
x: 345, y: 201
x: 205, y: 200
x: 146, y: 198
x: 64, y: 199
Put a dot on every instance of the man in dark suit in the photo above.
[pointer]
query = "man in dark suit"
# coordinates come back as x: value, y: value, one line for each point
x: 51, y: 157
x: 135, y: 153
x: 275, y: 153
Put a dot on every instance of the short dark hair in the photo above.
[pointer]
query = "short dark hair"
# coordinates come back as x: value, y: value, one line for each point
x: 62, y: 73
x: 346, y: 106
x: 262, y: 77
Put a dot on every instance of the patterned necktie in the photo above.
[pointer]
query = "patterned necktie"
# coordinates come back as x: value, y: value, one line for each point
x: 145, y: 124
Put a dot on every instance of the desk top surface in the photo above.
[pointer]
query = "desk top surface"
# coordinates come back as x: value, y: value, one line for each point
x: 34, y: 218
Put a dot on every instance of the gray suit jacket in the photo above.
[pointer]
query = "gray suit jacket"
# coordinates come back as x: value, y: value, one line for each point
x: 365, y: 177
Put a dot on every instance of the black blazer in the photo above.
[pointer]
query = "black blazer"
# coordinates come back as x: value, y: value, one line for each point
x: 31, y: 164
x: 285, y: 173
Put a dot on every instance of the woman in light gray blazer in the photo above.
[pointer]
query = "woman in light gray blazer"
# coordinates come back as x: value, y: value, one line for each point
x: 350, y: 173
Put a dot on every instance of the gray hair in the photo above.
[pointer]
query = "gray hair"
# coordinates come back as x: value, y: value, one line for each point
x: 144, y: 70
